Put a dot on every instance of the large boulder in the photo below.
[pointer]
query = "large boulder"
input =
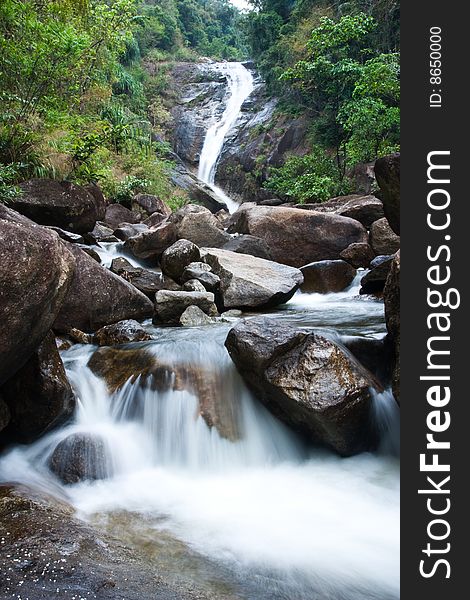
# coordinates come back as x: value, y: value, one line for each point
x: 177, y: 257
x: 39, y: 395
x: 148, y: 204
x: 298, y: 237
x: 60, y: 203
x: 382, y: 238
x: 248, y: 244
x: 117, y: 213
x: 327, y: 276
x: 248, y: 282
x: 307, y: 381
x: 152, y: 243
x: 358, y: 255
x: 123, y: 332
x: 169, y: 306
x: 98, y: 297
x: 365, y: 209
x: 128, y: 230
x: 80, y: 457
x: 198, y: 225
x: 387, y: 173
x: 36, y: 270
x: 392, y: 317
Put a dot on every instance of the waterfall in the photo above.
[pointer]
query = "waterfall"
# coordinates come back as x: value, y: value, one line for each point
x: 240, y: 86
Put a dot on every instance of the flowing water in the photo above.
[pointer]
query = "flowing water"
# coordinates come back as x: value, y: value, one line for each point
x: 242, y: 509
x: 240, y: 85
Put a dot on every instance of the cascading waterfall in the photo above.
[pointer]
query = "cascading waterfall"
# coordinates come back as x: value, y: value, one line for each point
x: 240, y: 86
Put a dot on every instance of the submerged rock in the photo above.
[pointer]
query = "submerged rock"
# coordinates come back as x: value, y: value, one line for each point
x: 169, y: 306
x: 80, y: 457
x: 305, y: 380
x: 39, y: 395
x: 123, y: 332
x: 298, y: 237
x: 327, y: 276
x: 98, y: 297
x: 250, y: 282
x: 36, y: 271
x: 61, y: 203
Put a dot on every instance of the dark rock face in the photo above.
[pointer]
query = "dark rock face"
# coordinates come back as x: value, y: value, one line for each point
x: 298, y: 237
x: 146, y: 281
x: 392, y: 317
x: 306, y: 381
x: 373, y: 354
x: 68, y: 236
x: 365, y: 209
x: 374, y: 281
x: 98, y: 297
x: 123, y: 332
x: 196, y: 190
x: 327, y: 276
x: 128, y: 230
x: 177, y: 257
x: 382, y: 238
x: 198, y: 225
x: 169, y: 306
x: 117, y: 214
x: 147, y: 204
x: 152, y: 243
x: 39, y: 395
x: 358, y: 255
x: 201, y: 272
x: 36, y: 271
x: 387, y: 173
x: 249, y: 244
x: 80, y: 457
x: 4, y: 414
x: 60, y: 203
x: 250, y: 282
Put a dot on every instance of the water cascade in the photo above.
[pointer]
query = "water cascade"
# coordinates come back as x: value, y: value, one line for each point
x: 240, y: 86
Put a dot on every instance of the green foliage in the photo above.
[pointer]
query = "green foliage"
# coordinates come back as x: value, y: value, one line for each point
x: 123, y: 191
x: 8, y: 177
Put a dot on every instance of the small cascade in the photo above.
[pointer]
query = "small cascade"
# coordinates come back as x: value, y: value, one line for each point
x: 240, y: 86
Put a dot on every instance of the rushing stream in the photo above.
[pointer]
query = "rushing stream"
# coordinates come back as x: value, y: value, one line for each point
x: 249, y: 512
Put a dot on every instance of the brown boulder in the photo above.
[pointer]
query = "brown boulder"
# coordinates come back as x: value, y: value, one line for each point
x: 358, y: 255
x: 169, y: 306
x: 327, y: 276
x: 382, y: 238
x: 249, y: 244
x: 152, y: 243
x: 98, y: 297
x: 177, y: 257
x: 147, y: 204
x: 387, y: 173
x: 198, y: 225
x: 146, y: 281
x: 298, y: 237
x: 36, y: 271
x: 123, y: 332
x: 117, y: 213
x: 39, y: 395
x: 60, y: 203
x: 80, y: 457
x: 365, y: 209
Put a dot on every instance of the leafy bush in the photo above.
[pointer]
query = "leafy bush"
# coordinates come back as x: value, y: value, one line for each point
x: 8, y: 176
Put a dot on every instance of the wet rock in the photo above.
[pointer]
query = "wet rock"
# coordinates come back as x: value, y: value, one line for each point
x: 249, y: 244
x: 202, y: 272
x: 39, y: 395
x: 98, y: 297
x: 100, y: 233
x: 373, y: 282
x: 177, y: 257
x: 146, y: 281
x: 373, y: 354
x: 36, y: 270
x: 169, y: 306
x: 298, y: 237
x: 392, y: 317
x: 79, y: 337
x: 365, y: 209
x: 117, y: 366
x: 80, y: 457
x: 196, y: 190
x: 382, y: 238
x: 123, y: 332
x: 248, y: 282
x: 387, y: 173
x: 117, y: 214
x: 358, y: 255
x: 128, y: 230
x: 91, y: 252
x: 194, y: 317
x: 68, y: 236
x: 152, y: 243
x: 327, y: 276
x: 60, y: 203
x: 63, y: 343
x: 193, y: 285
x: 233, y: 313
x: 306, y: 381
x: 198, y: 225
x: 147, y: 204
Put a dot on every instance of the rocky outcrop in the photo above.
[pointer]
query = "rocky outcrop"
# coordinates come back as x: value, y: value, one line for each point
x: 80, y: 457
x: 298, y: 237
x: 387, y: 173
x: 60, y: 203
x: 36, y: 270
x: 392, y: 317
x: 198, y: 225
x: 123, y: 332
x: 177, y: 257
x: 195, y: 189
x: 98, y: 297
x: 327, y: 276
x: 248, y: 282
x: 305, y: 380
x: 39, y: 395
x: 382, y: 238
x: 152, y: 243
x: 169, y: 306
x: 365, y: 209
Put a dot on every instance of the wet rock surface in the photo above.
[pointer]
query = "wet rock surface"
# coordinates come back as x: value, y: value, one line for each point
x: 123, y: 332
x: 80, y: 457
x: 327, y: 276
x: 147, y: 281
x: 152, y: 243
x: 169, y: 306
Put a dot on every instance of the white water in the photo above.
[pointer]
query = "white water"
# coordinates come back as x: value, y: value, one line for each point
x: 240, y: 86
